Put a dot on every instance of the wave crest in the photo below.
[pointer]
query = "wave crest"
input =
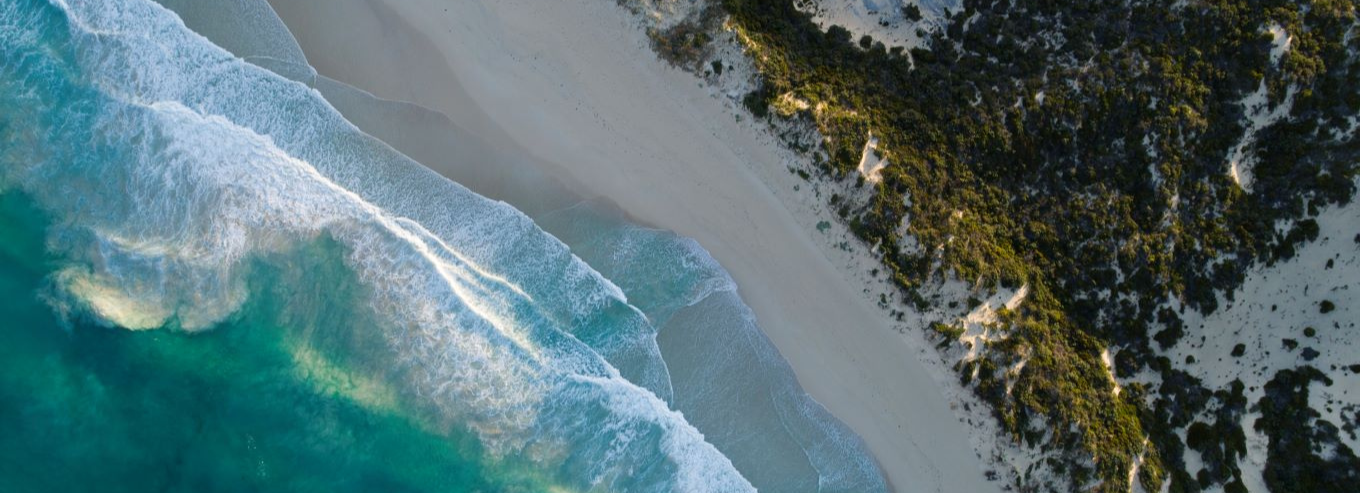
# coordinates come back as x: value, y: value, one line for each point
x: 171, y: 166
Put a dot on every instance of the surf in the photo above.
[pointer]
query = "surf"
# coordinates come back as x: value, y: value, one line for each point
x: 171, y: 166
x: 177, y: 173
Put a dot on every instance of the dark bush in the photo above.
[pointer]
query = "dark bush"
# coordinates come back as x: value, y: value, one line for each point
x: 757, y: 102
x: 1061, y: 195
x: 912, y: 12
x: 1198, y: 435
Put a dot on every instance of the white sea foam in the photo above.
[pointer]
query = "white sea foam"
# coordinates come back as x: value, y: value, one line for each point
x: 171, y: 165
x: 730, y: 381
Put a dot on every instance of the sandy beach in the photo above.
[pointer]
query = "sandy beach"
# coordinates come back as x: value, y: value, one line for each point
x: 572, y: 86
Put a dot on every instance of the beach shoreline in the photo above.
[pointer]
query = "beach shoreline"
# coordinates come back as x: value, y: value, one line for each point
x: 574, y: 86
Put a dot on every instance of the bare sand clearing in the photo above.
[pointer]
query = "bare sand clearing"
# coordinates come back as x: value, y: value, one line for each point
x: 573, y: 83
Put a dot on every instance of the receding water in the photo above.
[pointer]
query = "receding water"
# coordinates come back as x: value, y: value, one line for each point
x: 210, y: 281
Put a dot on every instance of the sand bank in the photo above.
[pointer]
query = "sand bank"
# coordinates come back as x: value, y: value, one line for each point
x: 573, y: 86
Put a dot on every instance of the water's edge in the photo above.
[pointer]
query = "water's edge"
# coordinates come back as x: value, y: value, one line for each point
x: 591, y: 317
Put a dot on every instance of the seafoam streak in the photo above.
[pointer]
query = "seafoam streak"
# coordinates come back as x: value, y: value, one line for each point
x: 172, y: 164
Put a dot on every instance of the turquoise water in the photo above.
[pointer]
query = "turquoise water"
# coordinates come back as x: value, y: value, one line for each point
x: 212, y: 281
x: 728, y: 379
x: 264, y: 403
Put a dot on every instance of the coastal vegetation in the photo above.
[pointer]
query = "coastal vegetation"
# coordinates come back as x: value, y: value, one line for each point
x: 1125, y: 160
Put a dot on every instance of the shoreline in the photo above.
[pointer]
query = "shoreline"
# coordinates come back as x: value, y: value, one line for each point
x: 666, y: 150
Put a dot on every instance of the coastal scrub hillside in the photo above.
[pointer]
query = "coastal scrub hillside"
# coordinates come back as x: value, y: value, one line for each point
x: 1127, y: 165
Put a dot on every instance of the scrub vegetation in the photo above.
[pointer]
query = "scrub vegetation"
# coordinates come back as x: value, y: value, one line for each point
x: 1127, y: 160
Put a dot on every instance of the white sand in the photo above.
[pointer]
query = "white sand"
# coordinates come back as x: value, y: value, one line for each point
x: 883, y: 20
x: 871, y: 163
x: 574, y: 83
x: 1275, y: 303
x: 1260, y: 114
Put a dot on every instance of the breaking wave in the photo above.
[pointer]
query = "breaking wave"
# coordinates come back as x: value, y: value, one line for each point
x: 171, y: 165
x: 172, y: 169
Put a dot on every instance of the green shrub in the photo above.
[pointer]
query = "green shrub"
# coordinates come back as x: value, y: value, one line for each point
x: 911, y: 12
x: 1062, y: 196
x: 950, y: 332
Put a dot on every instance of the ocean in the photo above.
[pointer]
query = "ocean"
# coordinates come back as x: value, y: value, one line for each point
x: 212, y: 281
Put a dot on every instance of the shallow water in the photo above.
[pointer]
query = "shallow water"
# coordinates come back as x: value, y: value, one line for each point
x: 270, y: 401
x: 214, y: 282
